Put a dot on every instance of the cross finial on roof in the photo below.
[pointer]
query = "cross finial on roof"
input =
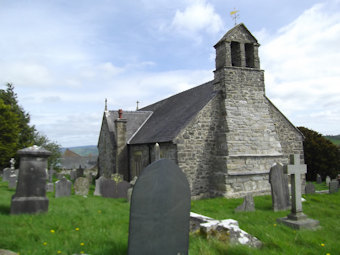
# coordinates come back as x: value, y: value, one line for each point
x: 234, y: 15
x: 137, y: 108
x: 106, y: 104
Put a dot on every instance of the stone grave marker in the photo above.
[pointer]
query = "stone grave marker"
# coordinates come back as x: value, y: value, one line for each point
x: 98, y: 184
x: 30, y: 195
x: 81, y: 186
x: 248, y: 204
x: 328, y: 180
x: 79, y: 172
x: 109, y: 188
x: 12, y: 181
x: 132, y: 184
x: 160, y: 211
x: 318, y: 179
x: 63, y: 188
x: 279, y: 188
x: 6, y: 174
x: 297, y: 219
x: 333, y: 186
x: 49, y: 187
x: 51, y: 172
x: 12, y: 161
x: 73, y: 175
x: 310, y: 188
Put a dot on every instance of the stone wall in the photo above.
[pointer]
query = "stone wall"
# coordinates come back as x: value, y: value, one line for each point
x: 107, y: 151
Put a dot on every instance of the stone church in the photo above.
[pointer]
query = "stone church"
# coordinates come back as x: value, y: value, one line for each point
x: 224, y: 134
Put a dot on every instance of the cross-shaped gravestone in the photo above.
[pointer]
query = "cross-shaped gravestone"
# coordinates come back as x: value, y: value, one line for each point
x: 297, y: 219
x: 12, y: 161
x: 295, y: 170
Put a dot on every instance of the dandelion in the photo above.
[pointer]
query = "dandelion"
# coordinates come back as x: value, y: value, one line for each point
x: 99, y: 211
x: 82, y: 244
x: 328, y: 254
x: 45, y: 243
x: 82, y: 252
x: 77, y: 229
x: 274, y: 225
x: 52, y: 231
x: 323, y: 245
x: 59, y: 252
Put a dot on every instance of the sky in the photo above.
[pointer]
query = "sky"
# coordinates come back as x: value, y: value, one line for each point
x: 65, y: 57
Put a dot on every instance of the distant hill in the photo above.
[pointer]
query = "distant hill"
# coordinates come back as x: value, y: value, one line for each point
x: 83, y: 150
x: 333, y: 138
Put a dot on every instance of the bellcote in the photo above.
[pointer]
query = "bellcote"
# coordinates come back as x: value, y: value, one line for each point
x: 237, y: 48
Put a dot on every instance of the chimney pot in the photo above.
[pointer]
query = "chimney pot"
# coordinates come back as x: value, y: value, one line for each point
x: 120, y: 113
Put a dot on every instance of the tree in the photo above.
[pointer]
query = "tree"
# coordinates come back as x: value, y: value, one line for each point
x: 9, y: 131
x: 53, y: 147
x: 321, y: 155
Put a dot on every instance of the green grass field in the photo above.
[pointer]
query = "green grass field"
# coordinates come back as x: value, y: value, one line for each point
x: 97, y: 225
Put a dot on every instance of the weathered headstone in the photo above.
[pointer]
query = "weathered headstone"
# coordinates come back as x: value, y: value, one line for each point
x: 73, y: 175
x: 63, y: 188
x: 6, y: 174
x: 310, y: 188
x: 279, y: 188
x: 318, y: 179
x: 109, y: 188
x: 333, y: 186
x: 30, y: 196
x: 248, y: 204
x: 160, y: 211
x: 51, y: 172
x: 98, y: 184
x: 12, y: 181
x: 81, y: 186
x: 297, y: 219
x: 328, y: 180
x: 79, y: 172
x: 49, y: 187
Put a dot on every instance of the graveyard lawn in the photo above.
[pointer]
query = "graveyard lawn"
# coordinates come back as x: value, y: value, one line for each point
x: 97, y: 225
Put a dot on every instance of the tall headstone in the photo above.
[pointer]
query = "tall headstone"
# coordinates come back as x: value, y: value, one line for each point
x: 310, y: 188
x: 333, y: 186
x: 248, y: 204
x: 279, y: 188
x: 63, y: 188
x: 318, y: 179
x: 328, y: 180
x: 81, y: 186
x: 160, y: 211
x: 30, y: 196
x: 297, y: 219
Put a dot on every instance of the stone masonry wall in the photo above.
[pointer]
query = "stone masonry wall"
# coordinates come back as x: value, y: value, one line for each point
x: 107, y: 151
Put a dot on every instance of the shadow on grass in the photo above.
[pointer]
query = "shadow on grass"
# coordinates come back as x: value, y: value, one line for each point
x: 4, y: 209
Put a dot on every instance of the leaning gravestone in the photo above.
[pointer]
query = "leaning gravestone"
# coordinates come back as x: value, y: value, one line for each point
x: 318, y: 179
x: 297, y: 219
x: 248, y: 204
x: 63, y: 188
x: 310, y: 188
x: 279, y: 188
x: 81, y: 186
x: 30, y: 196
x: 160, y: 211
x: 328, y: 180
x: 333, y: 186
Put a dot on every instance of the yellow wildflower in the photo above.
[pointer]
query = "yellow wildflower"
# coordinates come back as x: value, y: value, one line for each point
x: 82, y: 244
x: 274, y: 225
x: 44, y: 243
x: 323, y: 245
x: 59, y: 252
x: 77, y: 229
x: 52, y: 231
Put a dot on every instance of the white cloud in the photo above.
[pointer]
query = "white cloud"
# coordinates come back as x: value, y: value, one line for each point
x: 302, y: 68
x: 197, y: 17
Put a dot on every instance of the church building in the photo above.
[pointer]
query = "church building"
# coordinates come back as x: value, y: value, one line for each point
x: 224, y: 134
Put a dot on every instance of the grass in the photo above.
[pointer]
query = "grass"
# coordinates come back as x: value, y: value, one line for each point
x: 97, y: 225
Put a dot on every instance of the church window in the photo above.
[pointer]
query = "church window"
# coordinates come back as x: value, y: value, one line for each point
x: 235, y: 54
x: 249, y: 49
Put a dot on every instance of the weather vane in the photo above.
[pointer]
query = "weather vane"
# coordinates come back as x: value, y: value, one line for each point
x: 234, y: 15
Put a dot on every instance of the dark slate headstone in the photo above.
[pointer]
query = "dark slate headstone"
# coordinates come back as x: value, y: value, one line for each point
x: 318, y: 179
x: 333, y: 186
x: 6, y: 174
x: 279, y: 188
x: 98, y: 184
x: 310, y: 188
x: 109, y: 188
x: 160, y: 211
x: 30, y: 196
x: 248, y: 204
x: 81, y: 186
x: 63, y: 188
x: 79, y: 172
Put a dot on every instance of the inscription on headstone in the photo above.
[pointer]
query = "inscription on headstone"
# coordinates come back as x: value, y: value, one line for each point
x: 279, y: 188
x: 160, y: 211
x: 30, y: 196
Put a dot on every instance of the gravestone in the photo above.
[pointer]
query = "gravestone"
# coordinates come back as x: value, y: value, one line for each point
x: 63, y: 188
x: 297, y: 219
x: 132, y: 184
x: 73, y: 175
x: 160, y: 211
x: 30, y: 195
x: 310, y: 188
x: 98, y: 184
x: 79, y: 172
x: 6, y: 174
x: 333, y: 186
x: 328, y: 180
x: 279, y: 188
x: 248, y: 204
x: 49, y: 187
x: 109, y: 188
x: 157, y: 152
x: 89, y: 177
x: 318, y: 179
x: 81, y: 186
x: 51, y: 172
x: 12, y: 181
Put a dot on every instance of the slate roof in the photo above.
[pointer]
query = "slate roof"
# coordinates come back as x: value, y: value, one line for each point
x: 172, y: 114
x: 135, y: 119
